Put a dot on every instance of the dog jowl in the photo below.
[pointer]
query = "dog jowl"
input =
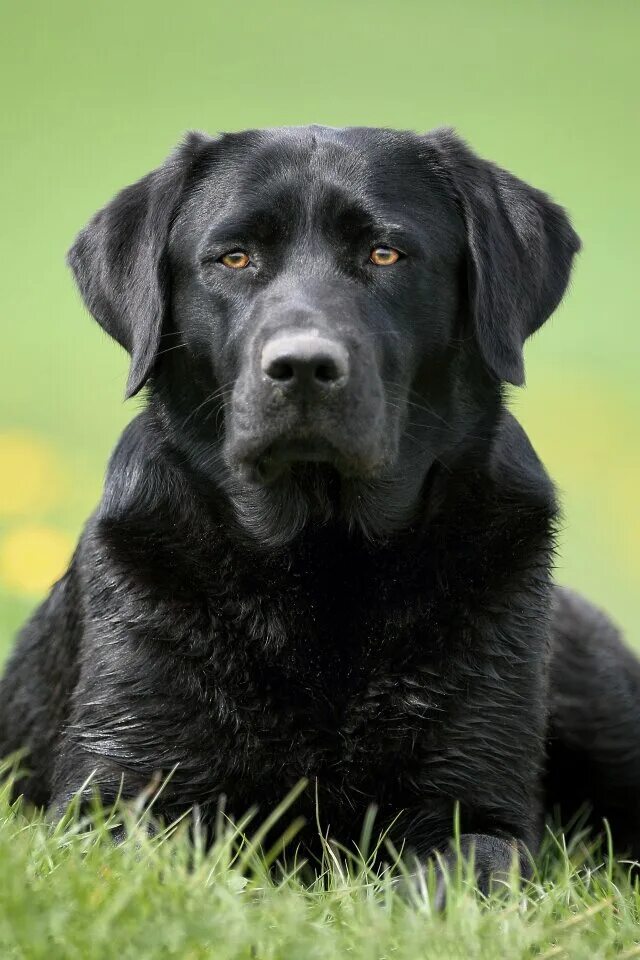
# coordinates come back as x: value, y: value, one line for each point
x: 324, y: 547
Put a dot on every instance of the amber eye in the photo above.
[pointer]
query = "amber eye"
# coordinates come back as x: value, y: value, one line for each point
x: 236, y: 260
x: 384, y: 256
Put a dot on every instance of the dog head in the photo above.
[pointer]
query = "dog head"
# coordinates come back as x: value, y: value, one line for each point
x: 324, y: 314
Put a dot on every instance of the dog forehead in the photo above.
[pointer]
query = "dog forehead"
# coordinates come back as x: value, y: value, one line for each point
x: 350, y: 153
x: 283, y: 171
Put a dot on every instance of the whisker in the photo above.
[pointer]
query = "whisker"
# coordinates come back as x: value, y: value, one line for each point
x: 226, y: 387
x: 170, y: 333
x: 178, y: 346
x: 423, y: 406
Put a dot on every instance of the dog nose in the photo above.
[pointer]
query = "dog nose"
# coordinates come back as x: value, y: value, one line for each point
x: 306, y: 361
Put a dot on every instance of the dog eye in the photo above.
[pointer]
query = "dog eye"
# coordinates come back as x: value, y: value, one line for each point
x: 235, y: 259
x: 384, y: 256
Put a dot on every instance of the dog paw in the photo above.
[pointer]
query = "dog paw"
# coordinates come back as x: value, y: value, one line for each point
x: 487, y: 859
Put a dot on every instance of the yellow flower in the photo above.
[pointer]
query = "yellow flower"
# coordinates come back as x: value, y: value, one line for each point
x: 32, y: 557
x: 31, y: 478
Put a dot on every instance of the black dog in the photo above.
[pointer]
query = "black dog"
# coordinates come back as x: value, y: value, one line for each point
x: 324, y: 548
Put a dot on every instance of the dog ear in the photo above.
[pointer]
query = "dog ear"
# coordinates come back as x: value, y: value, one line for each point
x: 520, y: 249
x: 120, y: 264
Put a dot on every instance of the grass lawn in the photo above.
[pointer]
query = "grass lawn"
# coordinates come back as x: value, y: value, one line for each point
x: 68, y: 892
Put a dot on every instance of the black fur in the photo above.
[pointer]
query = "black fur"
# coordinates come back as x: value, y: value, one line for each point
x: 348, y: 581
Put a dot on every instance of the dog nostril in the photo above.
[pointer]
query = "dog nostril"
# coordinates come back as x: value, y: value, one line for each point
x: 326, y: 372
x: 305, y: 360
x: 280, y: 370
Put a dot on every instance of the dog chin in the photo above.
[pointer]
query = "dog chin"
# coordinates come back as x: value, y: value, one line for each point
x: 306, y: 496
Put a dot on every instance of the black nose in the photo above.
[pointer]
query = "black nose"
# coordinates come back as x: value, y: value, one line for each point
x: 305, y: 360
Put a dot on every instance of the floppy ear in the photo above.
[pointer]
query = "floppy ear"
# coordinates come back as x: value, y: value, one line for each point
x: 520, y: 249
x: 120, y: 264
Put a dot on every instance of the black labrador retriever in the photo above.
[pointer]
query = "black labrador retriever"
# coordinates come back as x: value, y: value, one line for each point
x: 324, y: 548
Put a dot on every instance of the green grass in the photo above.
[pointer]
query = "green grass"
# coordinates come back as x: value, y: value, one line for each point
x: 69, y: 892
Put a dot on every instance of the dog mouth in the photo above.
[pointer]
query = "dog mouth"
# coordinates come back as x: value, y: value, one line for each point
x: 284, y: 454
x: 294, y: 455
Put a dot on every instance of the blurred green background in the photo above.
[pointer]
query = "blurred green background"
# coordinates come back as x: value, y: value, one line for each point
x: 95, y: 94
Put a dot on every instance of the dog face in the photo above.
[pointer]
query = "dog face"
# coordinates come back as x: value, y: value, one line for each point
x: 324, y: 314
x: 316, y: 295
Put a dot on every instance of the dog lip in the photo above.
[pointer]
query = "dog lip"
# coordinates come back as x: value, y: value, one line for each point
x: 302, y: 450
x: 277, y: 458
x: 263, y: 462
x: 285, y: 453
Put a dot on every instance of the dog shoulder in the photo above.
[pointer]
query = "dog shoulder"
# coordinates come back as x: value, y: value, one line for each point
x: 143, y: 520
x: 516, y: 468
x: 501, y: 534
x: 137, y: 477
